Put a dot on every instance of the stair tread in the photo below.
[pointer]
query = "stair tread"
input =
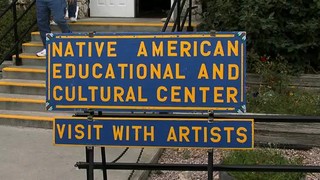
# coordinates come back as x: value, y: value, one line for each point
x: 30, y: 56
x: 21, y: 96
x: 25, y: 68
x: 90, y: 23
x: 5, y: 64
x: 23, y: 81
x: 32, y: 43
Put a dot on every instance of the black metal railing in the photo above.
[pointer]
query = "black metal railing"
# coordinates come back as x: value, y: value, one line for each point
x: 15, y: 48
x: 180, y: 19
x: 90, y: 165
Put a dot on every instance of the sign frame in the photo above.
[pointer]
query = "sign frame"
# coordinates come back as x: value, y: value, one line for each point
x: 164, y: 122
x: 53, y: 104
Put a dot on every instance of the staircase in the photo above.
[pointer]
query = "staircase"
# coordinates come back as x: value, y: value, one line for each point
x: 22, y: 88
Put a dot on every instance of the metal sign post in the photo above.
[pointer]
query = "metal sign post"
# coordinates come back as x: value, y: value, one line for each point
x: 210, y: 164
x: 104, y: 161
x: 90, y: 161
x: 210, y: 152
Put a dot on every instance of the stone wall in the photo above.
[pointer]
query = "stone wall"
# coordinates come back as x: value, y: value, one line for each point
x: 196, y: 13
x: 83, y: 8
x: 22, y: 4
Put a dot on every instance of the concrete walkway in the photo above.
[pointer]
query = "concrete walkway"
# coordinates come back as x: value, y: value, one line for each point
x: 28, y: 154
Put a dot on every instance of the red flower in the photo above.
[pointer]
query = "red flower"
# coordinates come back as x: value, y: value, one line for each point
x: 263, y: 59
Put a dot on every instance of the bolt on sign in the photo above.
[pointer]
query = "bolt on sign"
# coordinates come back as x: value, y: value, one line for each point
x: 154, y: 132
x: 147, y: 71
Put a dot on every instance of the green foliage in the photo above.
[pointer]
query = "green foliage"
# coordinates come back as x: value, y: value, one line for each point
x: 3, y: 4
x: 275, y: 95
x: 294, y: 101
x: 275, y: 28
x: 261, y: 157
x: 7, y: 21
x: 274, y: 74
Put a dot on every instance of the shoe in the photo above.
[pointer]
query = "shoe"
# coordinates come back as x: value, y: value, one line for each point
x: 53, y: 23
x: 73, y: 19
x: 42, y: 53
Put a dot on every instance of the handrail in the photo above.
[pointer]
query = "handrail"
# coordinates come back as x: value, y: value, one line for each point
x: 14, y: 27
x: 169, y: 16
x: 178, y: 24
x: 25, y: 33
x: 18, y: 19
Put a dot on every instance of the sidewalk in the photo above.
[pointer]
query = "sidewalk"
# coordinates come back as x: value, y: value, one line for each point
x: 28, y: 154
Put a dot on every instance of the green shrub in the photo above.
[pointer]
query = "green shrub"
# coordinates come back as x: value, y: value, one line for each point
x: 296, y: 102
x: 275, y: 95
x: 3, y: 4
x: 289, y: 29
x: 7, y: 21
x: 261, y: 157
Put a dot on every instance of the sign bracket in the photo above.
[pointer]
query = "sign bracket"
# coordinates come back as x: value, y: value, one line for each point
x: 210, y: 116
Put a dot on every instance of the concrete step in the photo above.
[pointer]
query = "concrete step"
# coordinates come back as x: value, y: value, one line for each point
x: 30, y: 118
x: 5, y: 64
x: 31, y: 59
x: 24, y: 72
x: 88, y: 25
x: 32, y: 47
x: 35, y: 37
x: 22, y: 102
x: 115, y: 25
x: 21, y: 86
x: 110, y: 25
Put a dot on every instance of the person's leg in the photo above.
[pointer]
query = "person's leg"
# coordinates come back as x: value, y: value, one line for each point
x: 57, y: 8
x: 72, y: 7
x: 43, y: 19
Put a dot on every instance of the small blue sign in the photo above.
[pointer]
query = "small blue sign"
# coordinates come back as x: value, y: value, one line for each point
x: 155, y: 132
x: 147, y: 71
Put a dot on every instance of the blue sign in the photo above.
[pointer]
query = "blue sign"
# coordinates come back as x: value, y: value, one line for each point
x: 147, y: 72
x: 156, y: 132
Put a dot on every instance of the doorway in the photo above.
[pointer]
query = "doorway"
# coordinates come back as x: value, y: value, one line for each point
x: 152, y: 8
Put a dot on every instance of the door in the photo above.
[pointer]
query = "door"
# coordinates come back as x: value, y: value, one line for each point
x: 153, y: 8
x: 112, y: 8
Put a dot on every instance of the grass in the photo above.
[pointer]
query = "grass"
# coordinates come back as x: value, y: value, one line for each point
x: 288, y: 101
x: 273, y: 99
x: 275, y: 96
x: 261, y: 157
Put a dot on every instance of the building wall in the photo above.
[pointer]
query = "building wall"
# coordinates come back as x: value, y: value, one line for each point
x: 83, y: 7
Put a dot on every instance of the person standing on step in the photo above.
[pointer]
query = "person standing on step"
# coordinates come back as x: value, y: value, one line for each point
x: 44, y: 9
x: 72, y: 9
x: 71, y: 12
